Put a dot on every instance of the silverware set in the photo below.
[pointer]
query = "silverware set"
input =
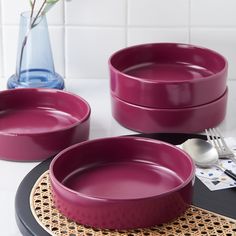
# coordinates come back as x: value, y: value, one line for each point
x: 217, y: 140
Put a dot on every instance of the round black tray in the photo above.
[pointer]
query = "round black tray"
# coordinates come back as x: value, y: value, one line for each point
x: 221, y: 201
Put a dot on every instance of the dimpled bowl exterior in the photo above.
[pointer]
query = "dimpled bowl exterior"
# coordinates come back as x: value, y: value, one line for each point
x: 185, y: 120
x: 39, y: 123
x: 122, y: 212
x: 167, y: 75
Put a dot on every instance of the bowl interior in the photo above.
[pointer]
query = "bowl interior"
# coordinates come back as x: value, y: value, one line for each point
x: 167, y: 62
x: 122, y: 168
x: 24, y: 111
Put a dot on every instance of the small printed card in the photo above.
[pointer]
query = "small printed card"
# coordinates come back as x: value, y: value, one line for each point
x: 213, y: 177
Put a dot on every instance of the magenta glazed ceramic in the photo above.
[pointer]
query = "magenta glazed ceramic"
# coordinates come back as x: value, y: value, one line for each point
x: 122, y: 182
x: 38, y: 123
x: 185, y: 120
x: 167, y: 75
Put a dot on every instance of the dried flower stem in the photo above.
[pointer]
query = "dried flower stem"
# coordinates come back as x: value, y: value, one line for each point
x: 38, y: 14
x: 32, y: 9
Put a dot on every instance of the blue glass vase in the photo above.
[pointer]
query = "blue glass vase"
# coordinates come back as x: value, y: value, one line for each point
x: 34, y: 66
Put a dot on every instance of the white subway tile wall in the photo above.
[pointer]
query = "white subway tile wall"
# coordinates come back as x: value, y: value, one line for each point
x: 149, y: 35
x: 84, y: 33
x: 1, y: 54
x: 158, y: 13
x: 213, y: 13
x: 95, y: 13
x: 88, y: 50
x: 1, y: 46
x: 9, y: 45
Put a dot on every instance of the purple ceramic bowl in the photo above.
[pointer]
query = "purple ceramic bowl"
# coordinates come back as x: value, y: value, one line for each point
x: 185, y: 120
x: 38, y: 123
x: 122, y: 182
x: 167, y: 75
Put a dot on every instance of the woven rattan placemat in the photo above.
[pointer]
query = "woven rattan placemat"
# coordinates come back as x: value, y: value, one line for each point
x: 195, y: 221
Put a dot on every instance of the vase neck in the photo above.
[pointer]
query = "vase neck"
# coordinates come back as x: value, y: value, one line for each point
x: 29, y: 22
x: 34, y: 49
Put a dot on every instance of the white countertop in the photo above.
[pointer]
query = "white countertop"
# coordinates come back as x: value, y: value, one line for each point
x: 96, y: 92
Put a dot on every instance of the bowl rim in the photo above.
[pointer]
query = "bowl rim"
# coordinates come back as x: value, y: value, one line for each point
x: 54, y: 179
x: 151, y: 81
x: 225, y: 94
x: 49, y: 90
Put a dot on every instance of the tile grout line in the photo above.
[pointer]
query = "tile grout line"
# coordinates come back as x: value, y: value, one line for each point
x: 64, y: 39
x: 126, y: 25
x: 126, y: 22
x: 225, y: 27
x: 1, y: 38
x: 189, y: 22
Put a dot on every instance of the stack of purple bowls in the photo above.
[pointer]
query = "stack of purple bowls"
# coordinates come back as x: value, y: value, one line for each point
x: 168, y: 87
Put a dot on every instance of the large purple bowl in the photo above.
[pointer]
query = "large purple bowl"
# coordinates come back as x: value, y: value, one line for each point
x: 167, y: 75
x: 186, y: 120
x: 38, y: 123
x: 122, y: 182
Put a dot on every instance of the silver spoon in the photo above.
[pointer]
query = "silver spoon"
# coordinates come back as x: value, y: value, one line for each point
x: 204, y: 155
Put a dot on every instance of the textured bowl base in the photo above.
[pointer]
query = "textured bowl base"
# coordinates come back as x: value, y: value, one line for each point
x: 195, y: 221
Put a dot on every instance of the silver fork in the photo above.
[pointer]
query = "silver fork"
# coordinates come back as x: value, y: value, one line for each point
x: 217, y: 140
